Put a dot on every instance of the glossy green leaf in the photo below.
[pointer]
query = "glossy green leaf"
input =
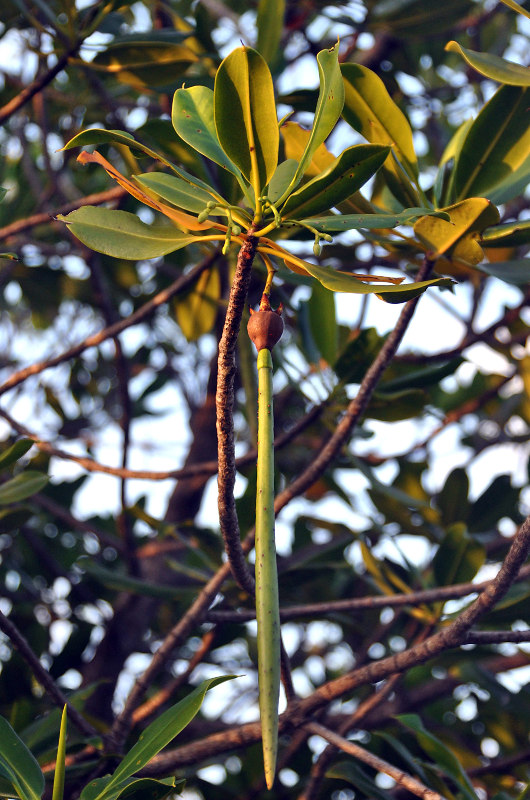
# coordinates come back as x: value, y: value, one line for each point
x: 175, y: 190
x: 497, y: 144
x: 245, y: 115
x: 102, y: 136
x: 58, y: 777
x: 144, y: 64
x: 281, y: 179
x: 18, y: 765
x: 156, y: 736
x: 340, y: 180
x: 328, y: 110
x: 444, y: 182
x: 457, y: 237
x: 123, y: 235
x: 347, y: 222
x: 192, y: 115
x: 323, y: 322
x: 197, y: 311
x: 491, y: 66
x: 516, y: 272
x: 459, y: 556
x: 269, y: 23
x: 443, y: 757
x: 15, y: 452
x: 509, y: 234
x: 343, y: 282
x: 22, y: 486
x: 395, y: 406
x: 370, y: 110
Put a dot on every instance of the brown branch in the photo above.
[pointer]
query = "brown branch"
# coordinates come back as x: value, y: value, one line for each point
x: 36, y: 86
x: 203, y: 468
x: 224, y: 400
x: 247, y: 734
x: 441, y: 593
x: 95, y: 199
x: 449, y: 637
x: 42, y: 676
x: 400, y: 777
x: 145, y: 311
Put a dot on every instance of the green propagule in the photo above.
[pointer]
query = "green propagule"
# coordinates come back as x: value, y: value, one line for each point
x: 265, y: 328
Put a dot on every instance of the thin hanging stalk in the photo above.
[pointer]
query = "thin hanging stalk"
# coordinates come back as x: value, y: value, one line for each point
x: 265, y: 328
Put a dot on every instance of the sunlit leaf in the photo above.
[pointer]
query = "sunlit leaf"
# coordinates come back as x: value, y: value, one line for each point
x: 58, y: 778
x: 192, y: 116
x: 183, y: 220
x: 336, y: 223
x: 370, y: 110
x: 295, y: 141
x: 509, y: 234
x: 497, y: 144
x: 457, y: 237
x: 197, y: 311
x: 144, y: 64
x: 175, y: 190
x: 340, y: 180
x: 122, y: 234
x: 245, y: 115
x: 491, y: 66
x: 327, y: 112
x: 517, y: 8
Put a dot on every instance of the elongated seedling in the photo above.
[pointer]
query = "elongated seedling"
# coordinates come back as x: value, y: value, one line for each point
x: 267, y: 602
x: 265, y: 328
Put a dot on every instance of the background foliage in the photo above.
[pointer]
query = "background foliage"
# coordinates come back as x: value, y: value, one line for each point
x: 113, y: 572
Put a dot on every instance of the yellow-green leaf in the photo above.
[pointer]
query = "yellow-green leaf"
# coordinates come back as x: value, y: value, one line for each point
x: 144, y: 64
x: 370, y: 110
x: 192, y: 116
x: 347, y: 173
x: 197, y: 311
x: 491, y: 66
x: 329, y: 107
x: 458, y: 237
x: 497, y: 144
x: 245, y: 115
x: 175, y: 190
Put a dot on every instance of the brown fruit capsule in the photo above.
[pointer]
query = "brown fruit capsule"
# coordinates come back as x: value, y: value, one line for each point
x: 265, y: 328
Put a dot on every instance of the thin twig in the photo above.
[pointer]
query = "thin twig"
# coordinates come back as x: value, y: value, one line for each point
x: 400, y: 777
x: 441, y: 593
x: 43, y: 677
x: 448, y: 637
x: 38, y: 85
x: 145, y: 311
